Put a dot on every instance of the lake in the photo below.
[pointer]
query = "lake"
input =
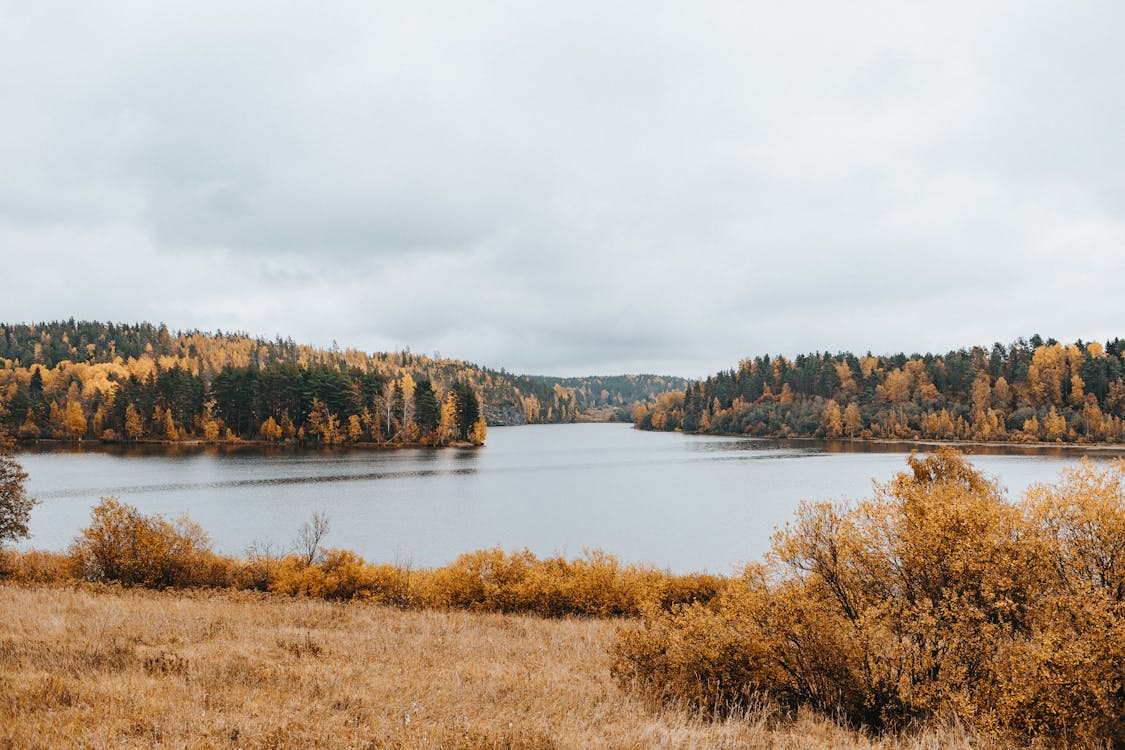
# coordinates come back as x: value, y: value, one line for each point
x: 681, y: 502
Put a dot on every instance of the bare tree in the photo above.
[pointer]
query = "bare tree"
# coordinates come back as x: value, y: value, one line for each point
x: 310, y: 537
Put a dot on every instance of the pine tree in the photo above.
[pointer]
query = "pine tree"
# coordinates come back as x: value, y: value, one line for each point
x: 427, y: 410
x: 468, y: 408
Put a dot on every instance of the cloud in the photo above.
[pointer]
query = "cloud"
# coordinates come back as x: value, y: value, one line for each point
x: 570, y: 189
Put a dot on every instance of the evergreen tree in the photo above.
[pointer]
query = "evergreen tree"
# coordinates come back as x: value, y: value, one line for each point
x: 468, y: 408
x: 427, y: 409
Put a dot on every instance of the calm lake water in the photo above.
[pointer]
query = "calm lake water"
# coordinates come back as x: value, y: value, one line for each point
x: 681, y: 502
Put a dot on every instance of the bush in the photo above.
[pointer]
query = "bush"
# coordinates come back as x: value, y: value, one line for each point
x: 35, y: 566
x: 340, y: 575
x: 125, y: 546
x: 935, y: 598
x: 128, y: 547
x: 485, y: 580
x: 593, y: 585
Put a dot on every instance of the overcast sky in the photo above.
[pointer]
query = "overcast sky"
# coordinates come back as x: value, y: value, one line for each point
x: 569, y: 188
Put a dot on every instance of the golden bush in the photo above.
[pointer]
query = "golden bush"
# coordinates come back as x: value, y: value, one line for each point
x: 485, y: 580
x: 35, y: 567
x: 340, y: 575
x: 124, y: 545
x: 935, y: 598
x: 596, y: 584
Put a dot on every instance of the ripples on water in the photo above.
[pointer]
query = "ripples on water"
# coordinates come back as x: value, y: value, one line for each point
x: 677, y: 501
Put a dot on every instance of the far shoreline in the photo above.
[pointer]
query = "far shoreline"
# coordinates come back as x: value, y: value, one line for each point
x: 50, y: 445
x: 840, y: 443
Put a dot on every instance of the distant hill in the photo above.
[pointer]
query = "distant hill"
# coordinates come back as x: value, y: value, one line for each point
x: 78, y: 379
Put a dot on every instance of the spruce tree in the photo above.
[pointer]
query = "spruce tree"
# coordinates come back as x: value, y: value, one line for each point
x: 468, y: 408
x: 427, y: 410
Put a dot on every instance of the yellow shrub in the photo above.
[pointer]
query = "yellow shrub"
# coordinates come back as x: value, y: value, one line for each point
x: 669, y: 591
x: 712, y: 655
x: 340, y: 575
x: 486, y: 580
x: 935, y: 597
x: 34, y: 566
x: 121, y: 544
x: 127, y: 546
x: 593, y: 585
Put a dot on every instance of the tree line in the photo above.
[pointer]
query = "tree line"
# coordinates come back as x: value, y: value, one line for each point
x: 84, y: 380
x: 1029, y: 391
x: 278, y: 403
x: 226, y: 388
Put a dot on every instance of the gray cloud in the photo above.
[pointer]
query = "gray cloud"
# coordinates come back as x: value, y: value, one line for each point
x: 571, y: 189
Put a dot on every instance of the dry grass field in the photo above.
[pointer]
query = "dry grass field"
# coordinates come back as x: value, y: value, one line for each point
x: 105, y: 667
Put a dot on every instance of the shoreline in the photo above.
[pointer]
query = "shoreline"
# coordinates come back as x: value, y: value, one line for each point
x: 1008, y: 446
x: 935, y: 442
x: 47, y: 445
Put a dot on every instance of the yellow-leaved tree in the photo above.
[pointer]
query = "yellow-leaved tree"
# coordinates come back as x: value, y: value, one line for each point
x: 831, y: 421
x: 447, y: 426
x: 479, y: 432
x: 853, y: 420
x: 134, y: 425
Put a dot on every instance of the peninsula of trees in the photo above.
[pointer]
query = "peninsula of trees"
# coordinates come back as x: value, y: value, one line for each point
x: 1030, y: 391
x: 76, y: 381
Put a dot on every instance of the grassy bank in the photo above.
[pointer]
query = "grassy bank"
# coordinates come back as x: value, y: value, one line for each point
x: 937, y: 597
x: 104, y: 667
x: 125, y: 546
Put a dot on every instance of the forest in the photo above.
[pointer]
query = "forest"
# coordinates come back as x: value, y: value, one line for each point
x: 79, y: 380
x: 1030, y: 391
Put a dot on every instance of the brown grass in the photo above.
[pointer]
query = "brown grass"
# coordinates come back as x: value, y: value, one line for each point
x: 104, y: 667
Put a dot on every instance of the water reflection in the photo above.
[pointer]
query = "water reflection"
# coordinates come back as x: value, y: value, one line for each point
x: 810, y: 446
x: 140, y: 489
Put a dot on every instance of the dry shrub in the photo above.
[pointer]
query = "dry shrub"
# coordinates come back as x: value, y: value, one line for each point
x: 259, y: 569
x: 936, y: 598
x: 671, y: 591
x: 124, y: 545
x: 341, y: 574
x: 484, y: 580
x: 596, y: 584
x: 35, y: 567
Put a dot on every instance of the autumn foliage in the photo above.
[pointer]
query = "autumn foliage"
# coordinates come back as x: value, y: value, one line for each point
x: 935, y: 598
x: 80, y: 380
x: 1027, y: 392
x: 124, y: 546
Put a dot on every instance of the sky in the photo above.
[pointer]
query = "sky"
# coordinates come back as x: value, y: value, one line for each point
x: 569, y: 188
